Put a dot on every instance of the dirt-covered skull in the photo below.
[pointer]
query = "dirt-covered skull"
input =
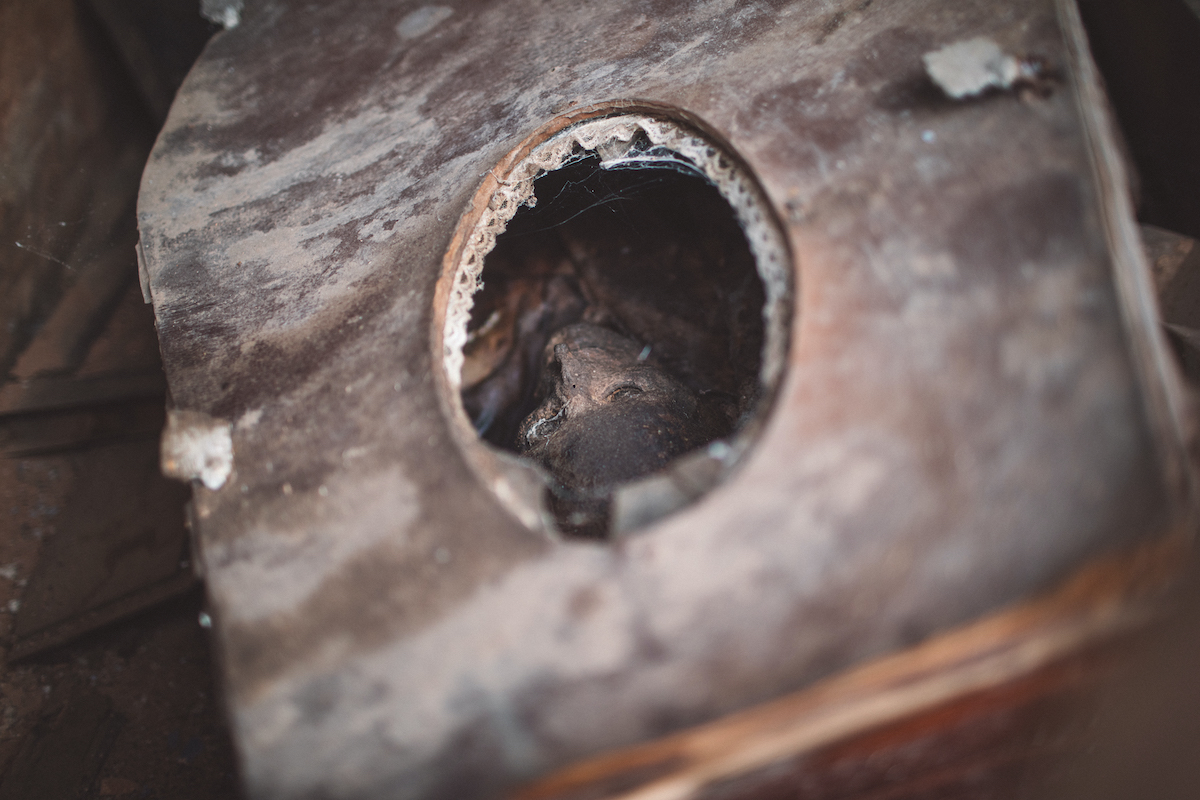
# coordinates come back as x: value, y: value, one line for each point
x: 610, y: 413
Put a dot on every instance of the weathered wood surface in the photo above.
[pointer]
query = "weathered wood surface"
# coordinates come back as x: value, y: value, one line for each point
x: 998, y: 678
x: 976, y: 403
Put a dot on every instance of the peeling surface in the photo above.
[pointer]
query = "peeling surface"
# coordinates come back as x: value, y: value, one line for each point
x: 227, y: 13
x: 195, y: 447
x: 960, y: 422
x: 965, y: 69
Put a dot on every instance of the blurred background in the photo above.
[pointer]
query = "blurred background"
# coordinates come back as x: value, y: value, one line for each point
x: 107, y: 687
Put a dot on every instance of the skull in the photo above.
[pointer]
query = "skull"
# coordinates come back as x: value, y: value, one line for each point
x: 610, y: 413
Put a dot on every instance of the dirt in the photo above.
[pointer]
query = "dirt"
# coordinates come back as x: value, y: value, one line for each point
x: 154, y: 669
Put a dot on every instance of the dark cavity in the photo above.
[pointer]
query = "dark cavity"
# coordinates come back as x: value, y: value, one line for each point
x: 619, y: 326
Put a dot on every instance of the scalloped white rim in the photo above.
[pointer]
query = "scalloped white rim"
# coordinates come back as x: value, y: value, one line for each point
x: 611, y: 138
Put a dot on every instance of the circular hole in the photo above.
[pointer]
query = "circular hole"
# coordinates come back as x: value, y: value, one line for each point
x: 627, y: 329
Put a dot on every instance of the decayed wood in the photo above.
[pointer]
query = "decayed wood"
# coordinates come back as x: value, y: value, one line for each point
x: 1107, y: 598
x: 970, y: 408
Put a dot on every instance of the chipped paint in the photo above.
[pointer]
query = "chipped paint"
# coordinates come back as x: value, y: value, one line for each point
x: 196, y: 446
x: 967, y: 68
